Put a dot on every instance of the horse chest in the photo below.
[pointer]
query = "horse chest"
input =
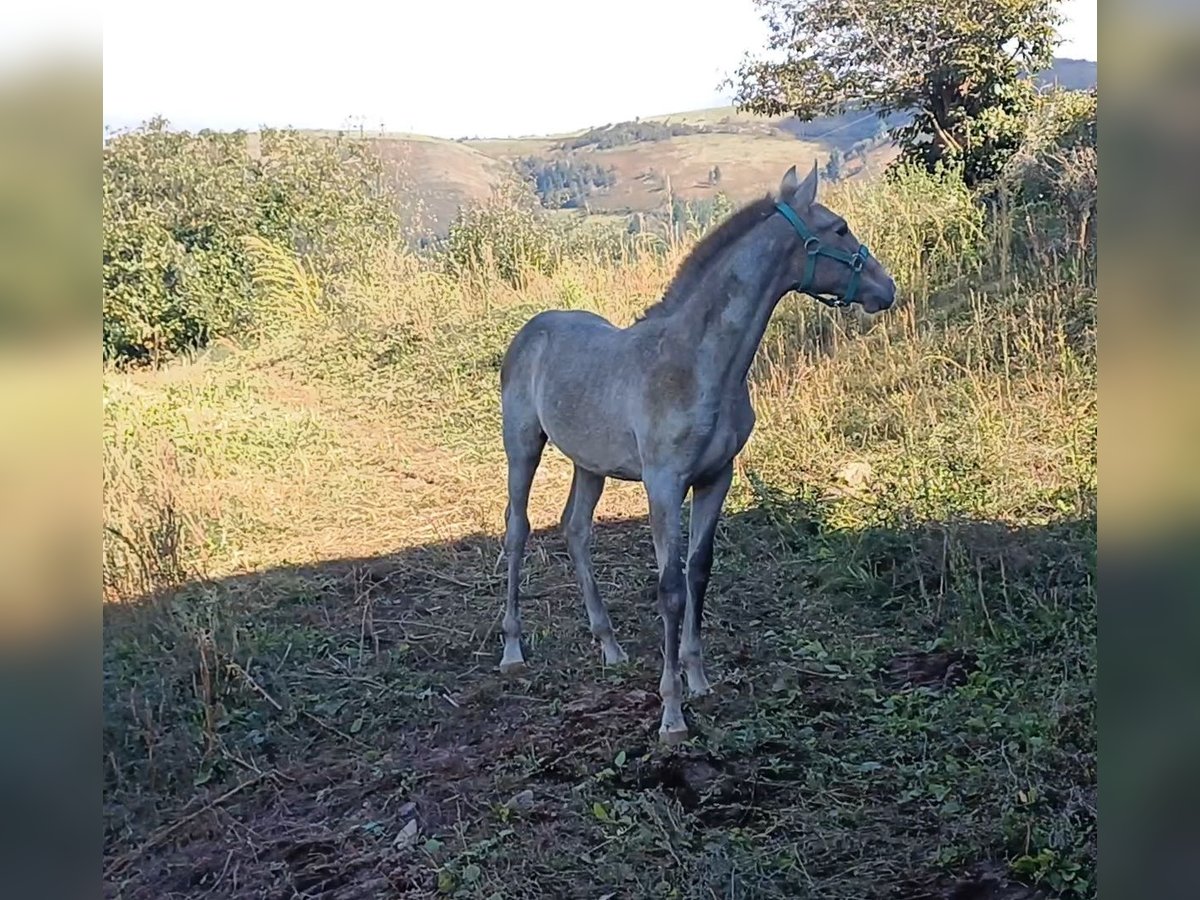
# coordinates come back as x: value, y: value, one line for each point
x: 728, y: 434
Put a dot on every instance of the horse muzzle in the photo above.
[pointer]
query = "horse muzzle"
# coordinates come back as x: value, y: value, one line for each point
x: 878, y: 301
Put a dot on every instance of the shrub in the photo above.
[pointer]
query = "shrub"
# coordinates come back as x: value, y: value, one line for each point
x: 507, y: 236
x: 1051, y: 182
x: 177, y: 208
x: 928, y: 225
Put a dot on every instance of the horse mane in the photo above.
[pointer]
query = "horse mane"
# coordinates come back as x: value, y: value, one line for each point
x: 712, y: 245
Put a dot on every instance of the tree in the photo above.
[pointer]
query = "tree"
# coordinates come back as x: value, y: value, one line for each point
x: 959, y: 67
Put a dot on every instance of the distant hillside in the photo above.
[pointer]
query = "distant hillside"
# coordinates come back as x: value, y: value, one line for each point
x: 741, y: 164
x: 630, y: 167
x: 689, y: 155
x: 447, y: 175
x: 1072, y: 74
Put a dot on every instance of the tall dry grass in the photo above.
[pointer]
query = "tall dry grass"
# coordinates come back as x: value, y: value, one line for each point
x: 366, y: 419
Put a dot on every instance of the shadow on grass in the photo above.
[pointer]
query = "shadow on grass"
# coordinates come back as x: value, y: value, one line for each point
x: 897, y: 713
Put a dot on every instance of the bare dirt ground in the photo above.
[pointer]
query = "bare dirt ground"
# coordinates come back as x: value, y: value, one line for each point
x: 340, y: 730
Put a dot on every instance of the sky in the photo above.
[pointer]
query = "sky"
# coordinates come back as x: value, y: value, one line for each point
x: 447, y: 68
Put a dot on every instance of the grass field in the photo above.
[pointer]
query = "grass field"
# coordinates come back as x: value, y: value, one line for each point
x: 304, y: 585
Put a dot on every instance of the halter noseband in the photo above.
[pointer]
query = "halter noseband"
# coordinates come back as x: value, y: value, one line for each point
x: 814, y: 248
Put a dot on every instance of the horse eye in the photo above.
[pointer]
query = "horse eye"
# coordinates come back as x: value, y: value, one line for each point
x: 841, y: 230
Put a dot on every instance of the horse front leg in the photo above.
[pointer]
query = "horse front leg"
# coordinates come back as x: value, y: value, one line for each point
x: 665, y: 493
x: 707, y: 500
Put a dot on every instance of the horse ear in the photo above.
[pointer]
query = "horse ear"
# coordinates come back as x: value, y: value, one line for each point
x: 806, y: 192
x: 788, y: 186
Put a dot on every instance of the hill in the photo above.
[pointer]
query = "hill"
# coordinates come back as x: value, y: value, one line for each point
x: 746, y: 162
x: 1072, y: 74
x: 444, y: 175
x: 690, y: 155
x: 695, y: 154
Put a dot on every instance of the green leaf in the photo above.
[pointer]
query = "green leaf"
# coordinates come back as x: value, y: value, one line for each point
x: 600, y: 812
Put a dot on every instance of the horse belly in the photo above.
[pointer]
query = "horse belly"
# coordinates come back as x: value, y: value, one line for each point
x: 590, y: 434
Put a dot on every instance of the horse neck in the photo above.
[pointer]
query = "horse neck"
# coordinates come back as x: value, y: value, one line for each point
x: 726, y: 318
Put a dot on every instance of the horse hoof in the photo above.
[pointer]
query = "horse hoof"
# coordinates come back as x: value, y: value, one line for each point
x: 615, y: 658
x: 512, y: 667
x: 673, y: 736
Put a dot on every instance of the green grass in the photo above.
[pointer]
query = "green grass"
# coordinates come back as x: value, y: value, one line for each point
x: 303, y: 583
x: 849, y: 751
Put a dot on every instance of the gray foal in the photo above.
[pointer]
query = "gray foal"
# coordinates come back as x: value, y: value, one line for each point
x: 665, y: 402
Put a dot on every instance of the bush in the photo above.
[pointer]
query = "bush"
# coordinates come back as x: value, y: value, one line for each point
x: 177, y: 208
x: 507, y: 236
x: 1051, y: 182
x: 681, y: 220
x: 929, y: 226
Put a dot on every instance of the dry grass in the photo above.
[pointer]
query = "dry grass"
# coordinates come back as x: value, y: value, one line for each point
x: 309, y: 705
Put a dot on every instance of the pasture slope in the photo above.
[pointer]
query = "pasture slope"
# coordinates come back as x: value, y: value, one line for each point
x: 750, y: 151
x: 303, y: 588
x: 446, y: 174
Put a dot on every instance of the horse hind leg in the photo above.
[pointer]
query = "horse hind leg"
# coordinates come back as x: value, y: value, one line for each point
x: 565, y: 518
x: 586, y: 489
x: 523, y: 445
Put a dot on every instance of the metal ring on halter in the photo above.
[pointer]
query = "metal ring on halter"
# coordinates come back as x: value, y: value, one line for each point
x: 812, y: 245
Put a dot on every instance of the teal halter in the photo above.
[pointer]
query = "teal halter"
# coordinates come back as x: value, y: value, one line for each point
x: 814, y: 248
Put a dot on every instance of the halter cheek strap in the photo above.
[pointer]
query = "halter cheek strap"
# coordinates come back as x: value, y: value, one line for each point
x: 814, y: 248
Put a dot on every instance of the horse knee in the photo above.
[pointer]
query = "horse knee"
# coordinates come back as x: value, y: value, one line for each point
x: 672, y: 596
